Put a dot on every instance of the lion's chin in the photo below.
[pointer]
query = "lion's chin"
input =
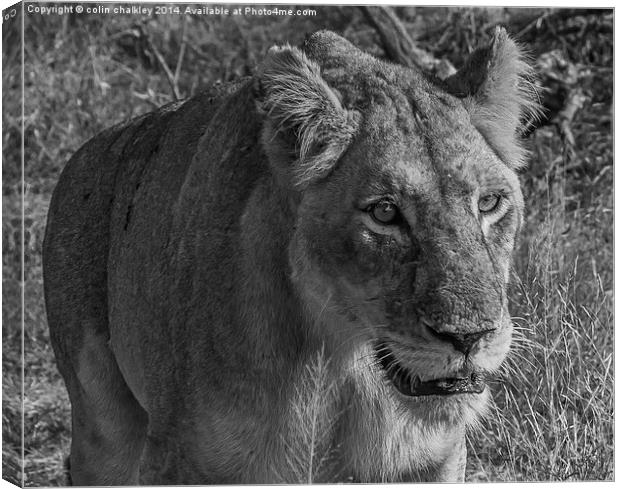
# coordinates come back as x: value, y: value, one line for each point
x: 466, y: 381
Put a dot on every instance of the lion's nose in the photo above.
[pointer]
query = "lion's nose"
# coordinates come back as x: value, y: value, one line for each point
x: 461, y: 342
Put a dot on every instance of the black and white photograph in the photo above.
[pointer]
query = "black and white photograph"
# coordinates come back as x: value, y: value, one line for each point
x: 306, y: 243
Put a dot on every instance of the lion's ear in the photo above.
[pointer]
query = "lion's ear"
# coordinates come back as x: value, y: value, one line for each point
x: 306, y: 128
x: 497, y: 88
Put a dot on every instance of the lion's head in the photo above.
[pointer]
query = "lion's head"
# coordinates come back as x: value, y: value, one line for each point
x: 407, y: 204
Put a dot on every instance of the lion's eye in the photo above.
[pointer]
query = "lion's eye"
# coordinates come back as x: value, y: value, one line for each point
x: 384, y: 212
x: 489, y: 203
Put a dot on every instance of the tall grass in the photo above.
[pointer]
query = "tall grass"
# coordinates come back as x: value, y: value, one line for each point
x: 553, y: 413
x: 310, y: 455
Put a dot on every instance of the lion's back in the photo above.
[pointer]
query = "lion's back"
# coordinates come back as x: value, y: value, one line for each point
x: 94, y: 205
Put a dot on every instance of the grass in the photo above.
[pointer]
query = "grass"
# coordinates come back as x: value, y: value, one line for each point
x: 552, y: 410
x: 553, y: 414
x: 310, y: 456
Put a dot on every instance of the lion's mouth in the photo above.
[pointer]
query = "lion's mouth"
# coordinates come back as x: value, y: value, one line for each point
x: 466, y: 381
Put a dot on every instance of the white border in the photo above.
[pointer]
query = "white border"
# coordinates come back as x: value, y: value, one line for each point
x: 484, y: 3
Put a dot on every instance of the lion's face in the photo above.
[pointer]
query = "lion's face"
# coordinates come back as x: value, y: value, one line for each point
x: 409, y: 242
x: 407, y: 209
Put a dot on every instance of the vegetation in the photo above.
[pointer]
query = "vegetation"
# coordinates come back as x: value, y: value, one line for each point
x: 553, y: 413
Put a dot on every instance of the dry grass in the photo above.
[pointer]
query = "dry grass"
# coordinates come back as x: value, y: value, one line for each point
x: 554, y: 414
x: 310, y: 456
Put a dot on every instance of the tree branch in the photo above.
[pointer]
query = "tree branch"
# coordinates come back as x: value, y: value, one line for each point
x: 162, y: 62
x: 398, y: 45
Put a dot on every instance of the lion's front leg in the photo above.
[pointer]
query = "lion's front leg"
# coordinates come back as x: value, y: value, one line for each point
x: 453, y: 468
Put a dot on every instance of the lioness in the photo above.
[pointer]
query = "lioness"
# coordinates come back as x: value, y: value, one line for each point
x: 302, y: 278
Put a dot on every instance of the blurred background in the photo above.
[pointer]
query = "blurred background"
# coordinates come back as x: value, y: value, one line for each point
x: 553, y: 414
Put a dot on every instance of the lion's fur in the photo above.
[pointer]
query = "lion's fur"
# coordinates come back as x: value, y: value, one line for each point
x: 214, y: 284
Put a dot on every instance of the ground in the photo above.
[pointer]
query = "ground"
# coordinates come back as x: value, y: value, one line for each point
x: 552, y: 418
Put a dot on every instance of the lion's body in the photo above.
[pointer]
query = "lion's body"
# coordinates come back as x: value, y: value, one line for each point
x: 190, y: 314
